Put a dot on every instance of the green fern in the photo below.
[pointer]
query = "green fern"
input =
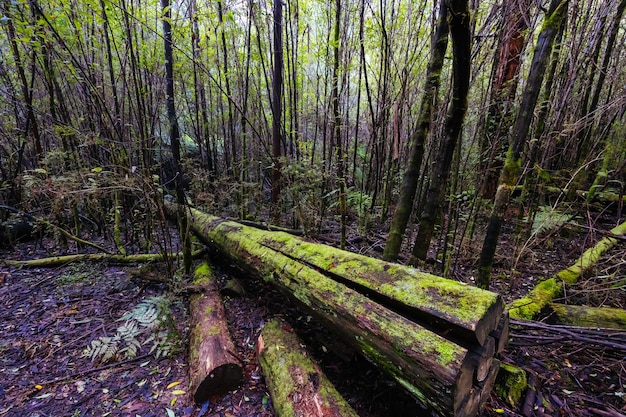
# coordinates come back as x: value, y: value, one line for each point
x: 144, y: 322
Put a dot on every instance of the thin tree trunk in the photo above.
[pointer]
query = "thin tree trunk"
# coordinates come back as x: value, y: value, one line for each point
x: 418, y: 138
x: 336, y: 124
x: 608, y: 53
x: 174, y: 133
x: 277, y: 92
x: 31, y: 121
x: 494, y: 144
x: 231, y: 129
x: 511, y: 171
x: 459, y: 21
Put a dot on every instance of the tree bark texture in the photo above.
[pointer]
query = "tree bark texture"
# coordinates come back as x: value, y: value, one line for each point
x: 297, y: 385
x: 529, y: 306
x: 408, y: 188
x: 515, y: 20
x: 439, y: 372
x: 277, y: 109
x: 459, y: 22
x: 174, y: 132
x: 213, y: 368
x: 512, y: 166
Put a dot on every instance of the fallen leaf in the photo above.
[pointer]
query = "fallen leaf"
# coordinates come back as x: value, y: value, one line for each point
x: 173, y: 384
x: 178, y: 392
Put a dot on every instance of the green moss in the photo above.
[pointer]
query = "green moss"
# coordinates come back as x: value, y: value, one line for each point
x: 213, y: 331
x: 208, y: 310
x: 511, y: 383
x: 529, y: 306
x: 203, y: 275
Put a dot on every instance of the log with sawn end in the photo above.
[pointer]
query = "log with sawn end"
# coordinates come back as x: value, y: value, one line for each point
x: 213, y: 367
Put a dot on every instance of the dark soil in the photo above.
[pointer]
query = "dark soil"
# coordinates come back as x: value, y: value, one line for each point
x: 49, y: 317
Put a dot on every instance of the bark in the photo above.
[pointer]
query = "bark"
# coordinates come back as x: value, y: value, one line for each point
x: 231, y: 128
x: 336, y: 125
x: 468, y: 314
x: 297, y: 385
x: 459, y: 21
x: 511, y: 171
x: 529, y: 306
x: 277, y: 109
x: 174, y: 132
x: 213, y: 367
x: 438, y: 371
x: 418, y: 139
x: 594, y: 317
x: 515, y: 24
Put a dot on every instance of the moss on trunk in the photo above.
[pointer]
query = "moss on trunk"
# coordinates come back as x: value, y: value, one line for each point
x: 529, y: 306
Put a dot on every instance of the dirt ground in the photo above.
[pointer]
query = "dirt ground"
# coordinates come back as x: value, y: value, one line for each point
x: 50, y: 319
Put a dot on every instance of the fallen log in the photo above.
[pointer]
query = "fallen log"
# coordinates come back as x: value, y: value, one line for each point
x: 297, y: 385
x: 439, y: 372
x: 594, y: 317
x: 467, y: 314
x: 213, y: 367
x: 529, y: 306
x: 61, y: 260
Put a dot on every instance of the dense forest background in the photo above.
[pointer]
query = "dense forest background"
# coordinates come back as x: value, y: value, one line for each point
x: 319, y: 115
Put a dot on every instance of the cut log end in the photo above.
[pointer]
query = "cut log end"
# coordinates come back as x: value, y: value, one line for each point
x: 224, y: 378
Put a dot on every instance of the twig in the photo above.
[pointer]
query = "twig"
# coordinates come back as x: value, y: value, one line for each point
x: 92, y: 370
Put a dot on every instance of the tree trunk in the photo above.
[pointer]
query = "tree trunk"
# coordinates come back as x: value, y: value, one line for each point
x: 512, y: 166
x: 213, y: 368
x: 515, y: 18
x: 277, y: 109
x: 174, y: 133
x: 443, y: 371
x: 418, y: 138
x: 459, y: 22
x: 297, y: 385
x: 336, y: 124
x: 529, y: 306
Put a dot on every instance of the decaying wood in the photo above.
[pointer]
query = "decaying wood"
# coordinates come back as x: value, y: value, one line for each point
x: 529, y: 306
x: 297, y: 385
x: 464, y: 312
x: 100, y: 257
x: 585, y: 316
x: 427, y: 360
x: 213, y: 367
x: 501, y: 333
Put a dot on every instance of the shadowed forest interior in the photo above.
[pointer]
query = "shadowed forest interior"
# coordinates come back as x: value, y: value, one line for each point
x: 478, y: 141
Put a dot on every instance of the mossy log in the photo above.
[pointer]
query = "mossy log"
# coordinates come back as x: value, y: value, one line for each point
x: 213, y: 367
x: 467, y: 314
x: 439, y: 372
x: 585, y: 316
x: 55, y: 261
x: 529, y: 306
x: 511, y: 383
x: 297, y: 385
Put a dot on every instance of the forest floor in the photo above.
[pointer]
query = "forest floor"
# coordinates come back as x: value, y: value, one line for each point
x: 54, y: 320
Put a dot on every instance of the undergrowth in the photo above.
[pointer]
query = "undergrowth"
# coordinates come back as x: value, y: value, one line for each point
x: 149, y: 323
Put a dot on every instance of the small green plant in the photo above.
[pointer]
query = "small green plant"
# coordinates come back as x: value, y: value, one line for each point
x: 548, y: 218
x: 75, y: 274
x: 149, y: 323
